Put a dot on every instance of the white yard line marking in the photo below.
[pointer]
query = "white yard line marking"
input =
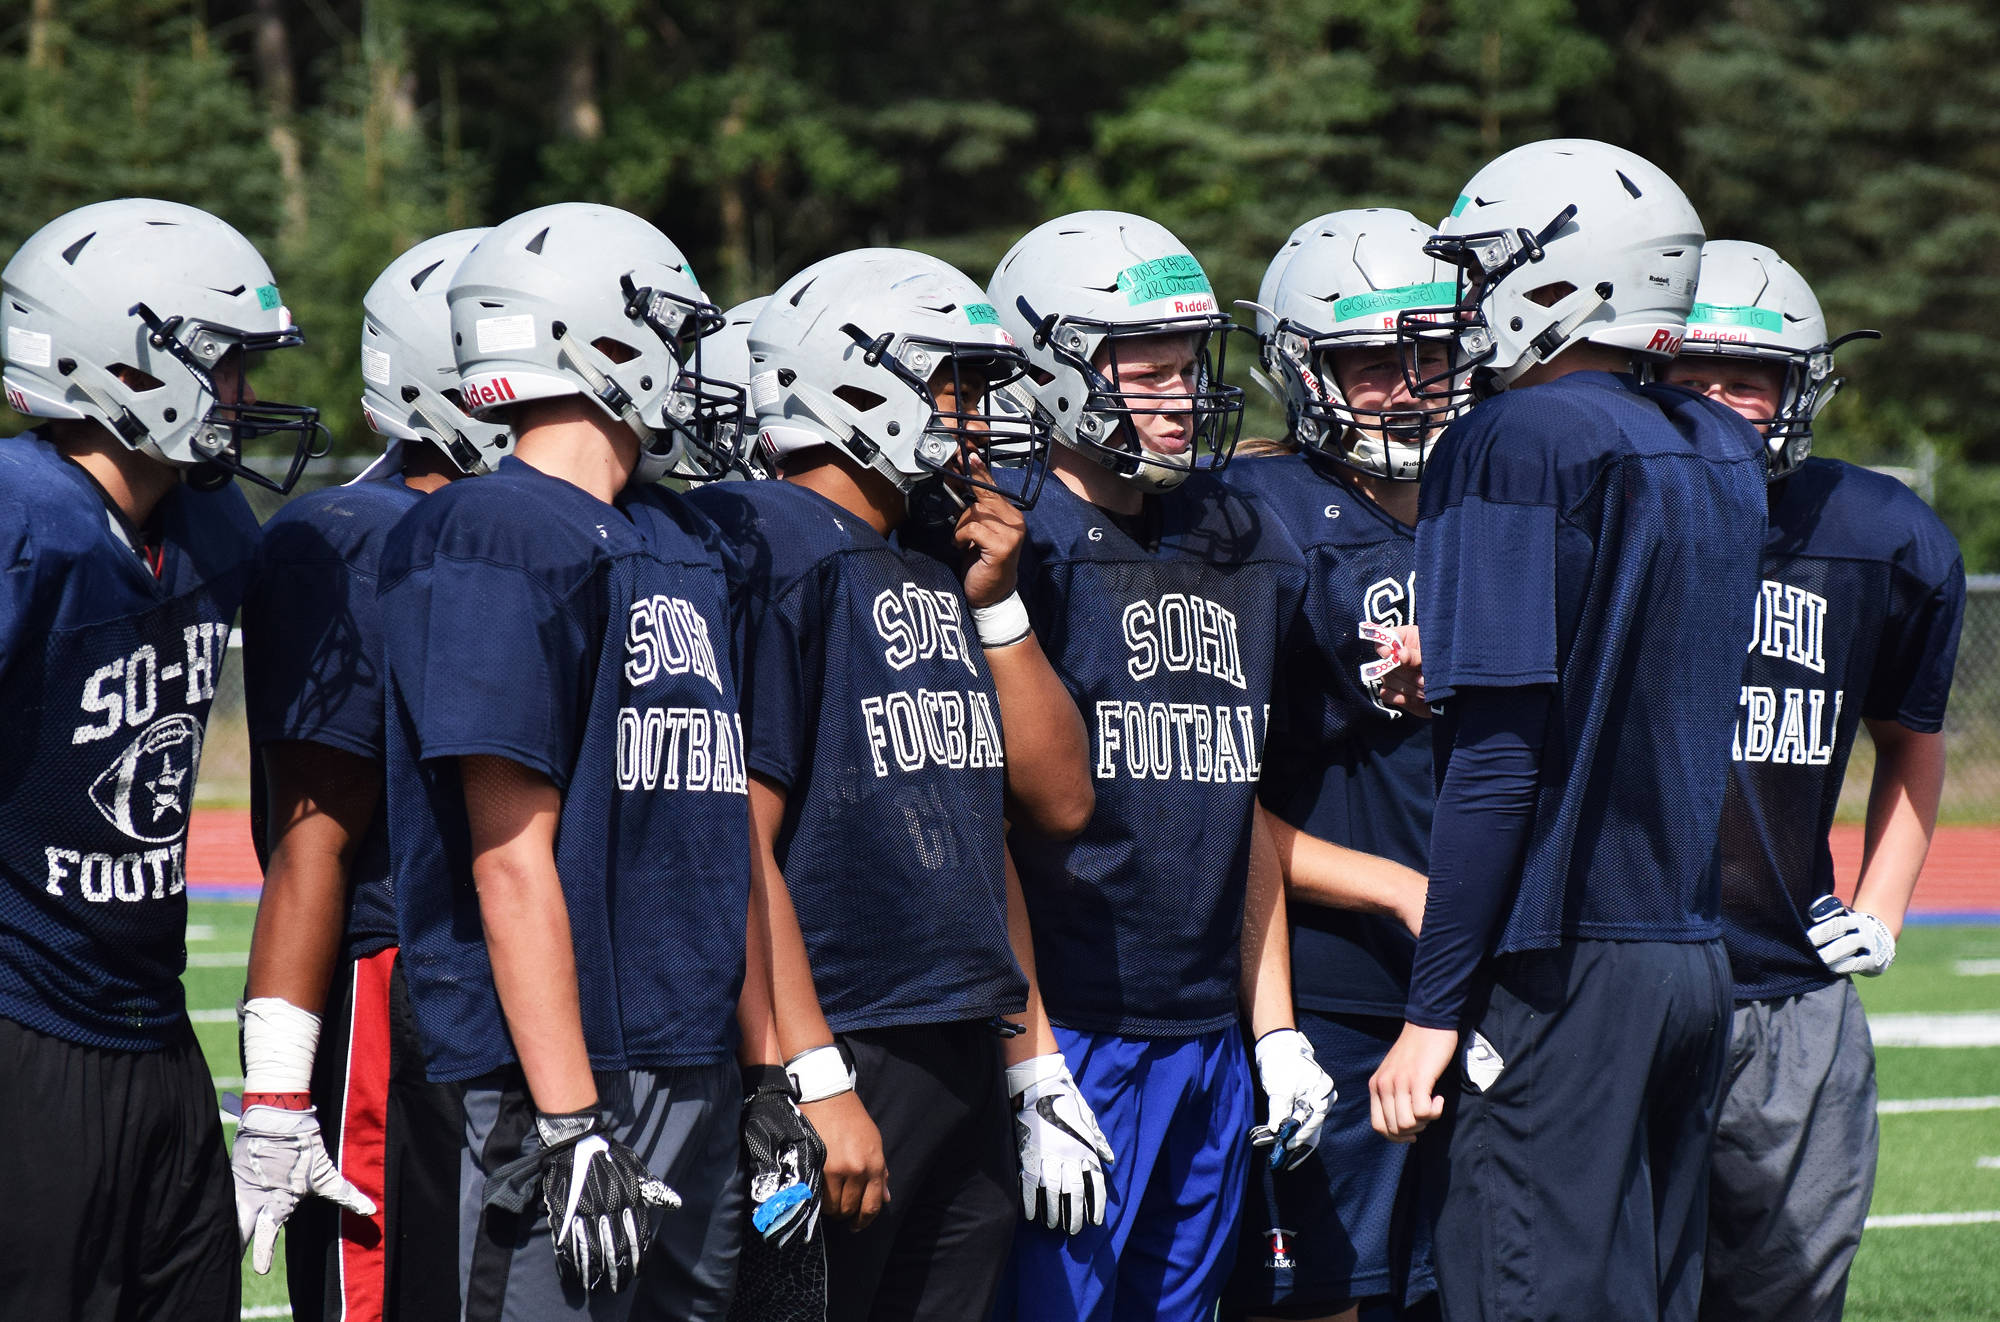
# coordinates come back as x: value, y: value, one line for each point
x: 1988, y: 1163
x: 1909, y: 1219
x: 221, y: 1082
x: 1916, y: 1105
x: 212, y: 1016
x: 1974, y: 1028
x: 200, y: 932
x: 1978, y: 968
x: 218, y: 959
x: 269, y: 1310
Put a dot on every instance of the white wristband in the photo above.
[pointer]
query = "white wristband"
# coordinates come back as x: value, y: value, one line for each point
x: 820, y: 1073
x: 279, y: 1040
x: 1002, y: 624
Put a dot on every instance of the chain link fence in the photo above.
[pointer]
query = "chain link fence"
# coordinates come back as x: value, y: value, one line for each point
x: 1971, y: 726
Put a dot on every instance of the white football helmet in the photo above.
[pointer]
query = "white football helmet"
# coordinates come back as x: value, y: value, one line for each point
x: 1752, y: 303
x: 1099, y: 279
x: 168, y: 291
x: 725, y: 357
x: 581, y: 299
x: 1604, y: 222
x: 848, y: 352
x: 409, y: 375
x: 1339, y: 283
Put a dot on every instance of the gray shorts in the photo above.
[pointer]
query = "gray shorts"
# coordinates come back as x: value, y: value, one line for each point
x: 1794, y: 1163
x: 683, y: 1123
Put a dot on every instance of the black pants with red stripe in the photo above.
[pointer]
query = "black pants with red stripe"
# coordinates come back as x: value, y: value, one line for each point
x: 396, y: 1136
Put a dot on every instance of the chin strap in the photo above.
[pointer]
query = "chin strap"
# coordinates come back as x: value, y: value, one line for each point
x: 609, y: 393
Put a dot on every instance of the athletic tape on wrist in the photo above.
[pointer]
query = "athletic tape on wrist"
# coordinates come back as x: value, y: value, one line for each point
x: 279, y: 1040
x: 820, y: 1073
x: 1002, y: 624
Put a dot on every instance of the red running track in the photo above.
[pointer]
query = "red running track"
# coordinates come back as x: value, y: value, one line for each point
x: 1961, y: 876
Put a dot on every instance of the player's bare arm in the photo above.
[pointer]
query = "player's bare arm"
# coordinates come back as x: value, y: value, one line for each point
x: 1297, y: 1090
x: 322, y: 801
x: 1902, y: 814
x: 512, y: 813
x: 1342, y: 878
x: 857, y: 1173
x: 1048, y: 751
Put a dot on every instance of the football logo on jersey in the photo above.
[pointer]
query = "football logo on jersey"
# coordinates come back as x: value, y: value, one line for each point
x: 147, y: 790
x: 1278, y: 1249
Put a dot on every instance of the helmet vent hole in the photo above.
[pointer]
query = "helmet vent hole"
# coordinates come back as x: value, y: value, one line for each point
x: 230, y: 293
x: 616, y: 350
x: 860, y: 400
x: 485, y: 303
x: 535, y: 244
x: 455, y: 399
x: 70, y: 253
x: 1630, y: 187
x: 802, y: 291
x: 417, y: 280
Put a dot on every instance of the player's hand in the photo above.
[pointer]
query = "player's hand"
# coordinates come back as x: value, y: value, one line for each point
x: 1403, y: 1096
x: 785, y: 1159
x: 277, y: 1159
x: 1402, y: 685
x: 1299, y: 1093
x: 857, y: 1172
x: 1850, y: 940
x: 1063, y: 1152
x: 600, y: 1199
x: 989, y: 531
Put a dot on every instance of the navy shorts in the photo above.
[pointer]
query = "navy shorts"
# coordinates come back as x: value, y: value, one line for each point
x: 1575, y: 1178
x: 1343, y: 1226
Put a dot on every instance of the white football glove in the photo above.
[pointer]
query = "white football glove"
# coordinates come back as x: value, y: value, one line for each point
x: 1063, y: 1152
x: 1299, y: 1092
x: 1848, y: 940
x: 277, y: 1159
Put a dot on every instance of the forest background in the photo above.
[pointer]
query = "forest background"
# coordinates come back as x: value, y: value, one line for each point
x: 1862, y: 140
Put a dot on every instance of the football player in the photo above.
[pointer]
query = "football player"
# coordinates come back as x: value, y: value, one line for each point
x: 129, y: 327
x: 323, y: 961
x: 1857, y: 623
x: 567, y: 814
x: 1586, y: 568
x: 880, y: 686
x: 1162, y: 597
x: 1344, y: 766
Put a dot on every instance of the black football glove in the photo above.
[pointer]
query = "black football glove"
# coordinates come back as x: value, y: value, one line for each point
x: 784, y: 1156
x: 600, y: 1198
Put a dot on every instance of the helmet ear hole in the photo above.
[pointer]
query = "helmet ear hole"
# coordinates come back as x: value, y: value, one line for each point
x: 135, y: 380
x: 616, y: 350
x: 1550, y: 295
x: 859, y: 399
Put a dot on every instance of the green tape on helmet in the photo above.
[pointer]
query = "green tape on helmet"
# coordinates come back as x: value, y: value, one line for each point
x: 981, y: 314
x: 1163, y: 277
x: 267, y: 297
x: 1437, y: 294
x: 1710, y: 314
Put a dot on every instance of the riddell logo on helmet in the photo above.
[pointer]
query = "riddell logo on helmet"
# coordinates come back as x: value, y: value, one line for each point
x: 1186, y: 305
x: 16, y: 400
x: 493, y: 390
x: 1719, y: 336
x: 1664, y: 341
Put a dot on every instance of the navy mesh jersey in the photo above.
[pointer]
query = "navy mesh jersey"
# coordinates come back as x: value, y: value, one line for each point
x: 1340, y: 764
x: 1858, y: 616
x: 106, y: 676
x: 312, y: 661
x: 1602, y: 537
x: 867, y: 699
x: 597, y: 645
x: 1171, y: 650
